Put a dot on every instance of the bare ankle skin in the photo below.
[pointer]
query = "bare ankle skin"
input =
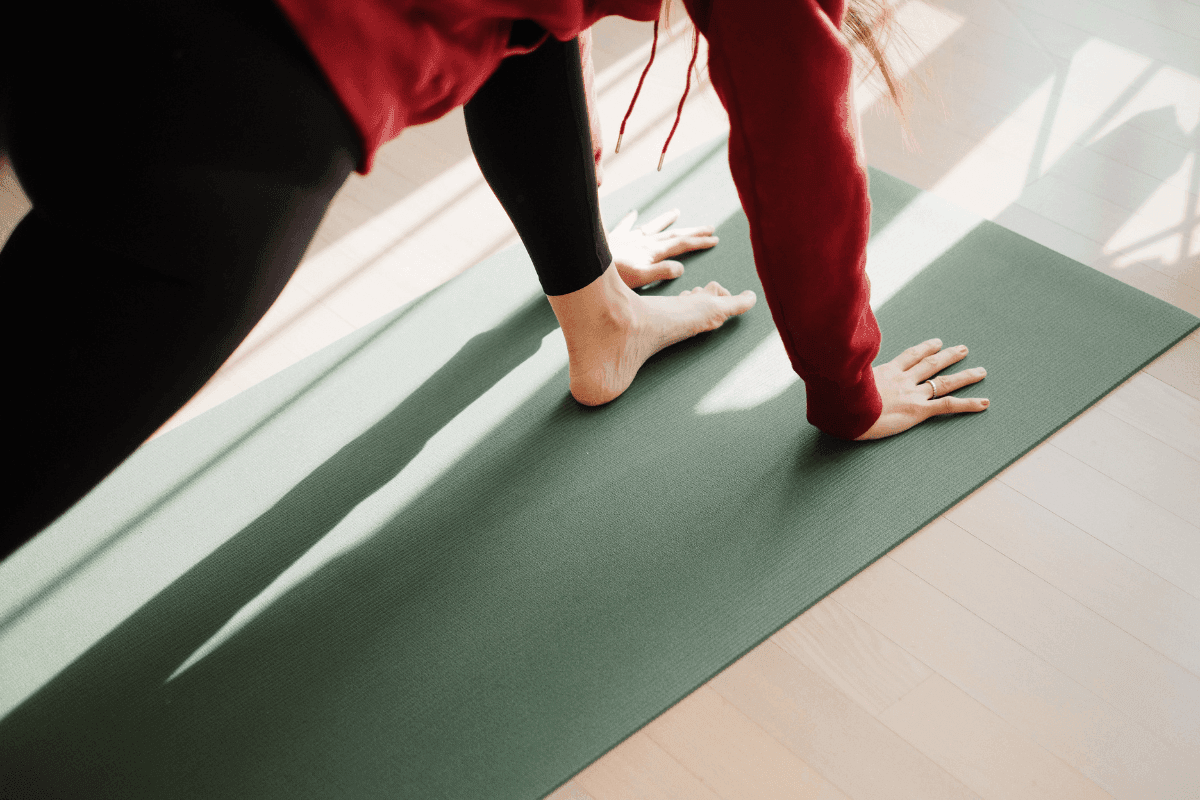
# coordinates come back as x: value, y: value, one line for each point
x: 611, y: 330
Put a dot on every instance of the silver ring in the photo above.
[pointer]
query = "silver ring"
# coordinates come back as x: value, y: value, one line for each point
x: 933, y: 386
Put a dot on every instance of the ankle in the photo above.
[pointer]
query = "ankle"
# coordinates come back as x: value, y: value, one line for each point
x: 603, y: 307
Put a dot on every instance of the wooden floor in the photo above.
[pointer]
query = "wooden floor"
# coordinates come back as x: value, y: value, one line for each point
x: 1042, y: 638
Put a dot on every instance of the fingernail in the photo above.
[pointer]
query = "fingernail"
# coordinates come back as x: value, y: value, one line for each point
x: 962, y: 349
x: 984, y: 404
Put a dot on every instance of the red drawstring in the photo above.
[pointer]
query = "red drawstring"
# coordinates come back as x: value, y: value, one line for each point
x: 687, y: 87
x: 653, y: 47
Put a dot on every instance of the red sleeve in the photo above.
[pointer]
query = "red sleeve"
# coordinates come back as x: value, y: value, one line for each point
x: 783, y: 73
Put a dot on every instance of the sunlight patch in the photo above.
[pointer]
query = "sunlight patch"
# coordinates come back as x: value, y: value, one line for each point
x: 1165, y: 230
x: 918, y: 236
x: 761, y: 376
x: 1168, y: 88
x: 1099, y: 73
x: 439, y: 454
x: 992, y: 175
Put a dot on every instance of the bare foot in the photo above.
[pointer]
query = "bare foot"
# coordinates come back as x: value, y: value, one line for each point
x: 611, y: 330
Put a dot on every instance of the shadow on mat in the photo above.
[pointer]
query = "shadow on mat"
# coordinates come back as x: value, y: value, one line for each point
x: 532, y: 581
x: 195, y: 606
x: 522, y: 581
x: 564, y: 572
x: 112, y: 724
x: 582, y: 569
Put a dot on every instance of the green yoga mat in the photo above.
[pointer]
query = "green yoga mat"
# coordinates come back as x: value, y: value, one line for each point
x: 424, y: 571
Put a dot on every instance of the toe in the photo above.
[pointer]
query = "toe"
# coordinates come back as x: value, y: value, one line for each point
x: 738, y: 304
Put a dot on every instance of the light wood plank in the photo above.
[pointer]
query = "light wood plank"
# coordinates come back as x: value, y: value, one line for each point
x: 829, y: 731
x: 993, y: 16
x: 977, y: 84
x: 1060, y: 239
x: 733, y: 755
x: 1148, y: 687
x: 1178, y: 17
x: 1135, y: 459
x: 638, y: 769
x: 982, y: 750
x: 1048, y: 707
x: 1114, y: 514
x: 1158, y: 409
x: 569, y: 791
x: 1076, y: 209
x: 1153, y: 282
x: 1116, y: 26
x: 1180, y: 366
x: 1122, y: 591
x: 1125, y: 185
x: 867, y: 667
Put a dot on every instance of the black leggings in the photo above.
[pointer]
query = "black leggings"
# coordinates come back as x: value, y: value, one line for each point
x: 179, y: 157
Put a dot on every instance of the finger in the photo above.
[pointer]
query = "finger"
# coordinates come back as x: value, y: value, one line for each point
x: 913, y: 355
x: 714, y: 288
x: 660, y: 222
x: 636, y: 277
x: 946, y: 384
x: 935, y: 363
x: 699, y: 230
x: 675, y: 269
x: 956, y: 405
x: 677, y: 247
x: 626, y: 223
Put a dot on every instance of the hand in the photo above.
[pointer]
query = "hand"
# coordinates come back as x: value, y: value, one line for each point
x: 907, y: 398
x: 639, y: 253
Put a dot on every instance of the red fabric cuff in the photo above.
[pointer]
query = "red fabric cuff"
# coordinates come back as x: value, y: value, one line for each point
x: 844, y: 412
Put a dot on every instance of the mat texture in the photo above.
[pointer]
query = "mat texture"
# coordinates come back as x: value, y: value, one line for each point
x: 415, y: 567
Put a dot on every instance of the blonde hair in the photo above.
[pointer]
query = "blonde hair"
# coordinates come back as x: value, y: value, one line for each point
x: 869, y: 27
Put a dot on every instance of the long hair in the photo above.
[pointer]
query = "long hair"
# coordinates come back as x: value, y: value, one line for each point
x: 871, y: 30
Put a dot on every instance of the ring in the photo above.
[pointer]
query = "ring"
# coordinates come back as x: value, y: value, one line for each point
x: 934, y: 387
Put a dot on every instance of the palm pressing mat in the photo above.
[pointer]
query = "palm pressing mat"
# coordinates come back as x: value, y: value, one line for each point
x: 412, y: 566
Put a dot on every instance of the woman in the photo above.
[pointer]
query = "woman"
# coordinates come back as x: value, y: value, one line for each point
x: 179, y: 157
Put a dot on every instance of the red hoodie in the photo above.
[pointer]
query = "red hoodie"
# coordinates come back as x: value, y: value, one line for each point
x: 782, y: 71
